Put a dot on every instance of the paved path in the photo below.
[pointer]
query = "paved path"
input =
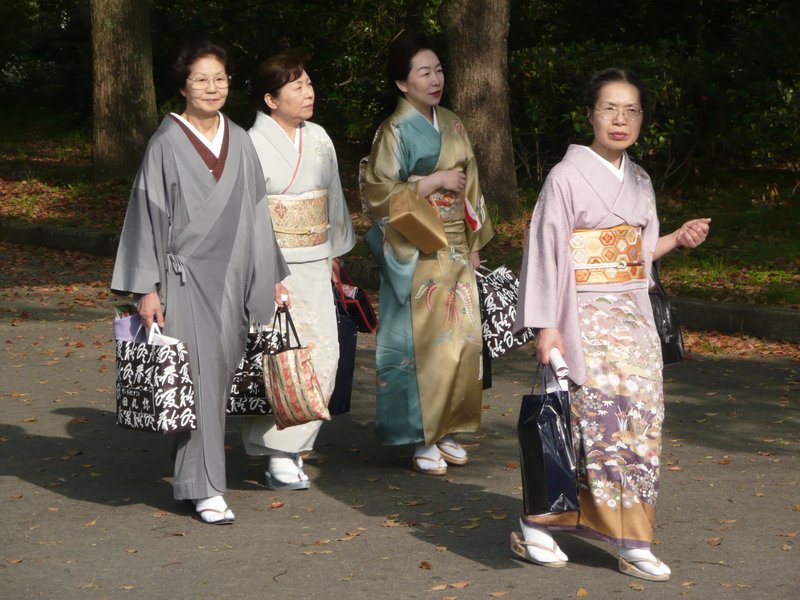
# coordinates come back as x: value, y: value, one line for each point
x: 88, y: 510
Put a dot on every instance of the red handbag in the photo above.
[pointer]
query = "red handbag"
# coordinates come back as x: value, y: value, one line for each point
x: 356, y: 303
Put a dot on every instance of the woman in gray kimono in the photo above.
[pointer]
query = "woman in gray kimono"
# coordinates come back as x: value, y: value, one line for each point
x: 592, y: 239
x: 198, y: 252
x: 313, y: 228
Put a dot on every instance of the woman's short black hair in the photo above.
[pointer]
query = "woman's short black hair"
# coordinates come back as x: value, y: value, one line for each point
x: 189, y: 52
x: 402, y: 49
x: 274, y: 73
x: 617, y: 74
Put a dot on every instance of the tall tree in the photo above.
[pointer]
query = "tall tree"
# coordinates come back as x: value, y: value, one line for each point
x: 124, y: 94
x: 476, y: 33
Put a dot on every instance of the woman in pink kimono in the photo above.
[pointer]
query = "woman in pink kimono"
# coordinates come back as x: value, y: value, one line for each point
x: 592, y: 240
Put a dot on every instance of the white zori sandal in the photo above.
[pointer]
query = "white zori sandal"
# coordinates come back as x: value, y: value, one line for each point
x: 452, y: 452
x: 536, y: 545
x: 642, y: 563
x: 214, y: 511
x: 428, y: 460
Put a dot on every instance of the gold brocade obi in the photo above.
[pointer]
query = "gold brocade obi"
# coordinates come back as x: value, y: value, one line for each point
x: 300, y: 220
x: 612, y: 255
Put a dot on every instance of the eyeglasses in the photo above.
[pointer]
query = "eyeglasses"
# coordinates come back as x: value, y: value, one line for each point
x: 609, y: 113
x: 201, y: 82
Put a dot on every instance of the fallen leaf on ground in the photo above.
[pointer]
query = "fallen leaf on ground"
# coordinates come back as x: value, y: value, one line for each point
x: 582, y: 593
x: 276, y: 505
x: 498, y: 594
x: 637, y: 586
x: 439, y: 587
x: 425, y: 565
x: 714, y: 541
x: 460, y: 585
x: 91, y: 523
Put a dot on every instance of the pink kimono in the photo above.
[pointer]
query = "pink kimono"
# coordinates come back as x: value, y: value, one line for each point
x: 611, y: 345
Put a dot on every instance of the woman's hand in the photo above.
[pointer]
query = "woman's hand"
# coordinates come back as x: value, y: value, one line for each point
x: 692, y: 233
x: 547, y: 339
x: 150, y: 309
x: 282, y: 296
x: 454, y: 181
x: 476, y: 260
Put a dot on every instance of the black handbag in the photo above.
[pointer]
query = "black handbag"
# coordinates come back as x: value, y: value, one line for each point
x: 498, y: 291
x: 154, y: 387
x: 667, y: 326
x: 547, y: 459
x: 348, y: 336
x: 248, y: 395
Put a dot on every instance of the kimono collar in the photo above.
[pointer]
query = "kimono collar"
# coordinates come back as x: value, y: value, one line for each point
x: 618, y: 197
x: 407, y: 110
x: 619, y: 173
x: 215, y: 145
x: 274, y: 134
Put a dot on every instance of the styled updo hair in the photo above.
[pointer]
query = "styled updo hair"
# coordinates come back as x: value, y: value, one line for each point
x: 189, y: 52
x: 618, y: 74
x: 402, y: 49
x: 274, y: 73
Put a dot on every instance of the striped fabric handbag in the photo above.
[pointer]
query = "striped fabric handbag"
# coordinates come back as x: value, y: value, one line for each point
x: 292, y: 387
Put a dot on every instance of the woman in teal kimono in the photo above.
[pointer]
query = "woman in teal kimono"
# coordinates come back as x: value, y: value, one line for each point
x: 429, y: 368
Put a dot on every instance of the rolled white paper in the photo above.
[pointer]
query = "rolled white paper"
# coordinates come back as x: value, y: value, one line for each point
x: 558, y: 365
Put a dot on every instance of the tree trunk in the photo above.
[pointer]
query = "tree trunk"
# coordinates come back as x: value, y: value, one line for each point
x: 476, y: 33
x: 124, y: 93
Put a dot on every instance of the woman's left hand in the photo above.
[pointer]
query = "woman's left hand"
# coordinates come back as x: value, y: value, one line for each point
x: 692, y: 233
x: 476, y: 260
x: 282, y: 296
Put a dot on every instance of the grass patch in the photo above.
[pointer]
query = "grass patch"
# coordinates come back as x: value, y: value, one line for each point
x: 752, y: 254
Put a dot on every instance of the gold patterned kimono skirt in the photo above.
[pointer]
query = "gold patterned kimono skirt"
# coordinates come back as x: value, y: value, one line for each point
x: 446, y: 326
x: 618, y: 412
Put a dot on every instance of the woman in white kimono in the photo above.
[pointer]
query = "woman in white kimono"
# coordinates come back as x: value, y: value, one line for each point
x: 313, y: 228
x: 428, y: 347
x: 593, y: 236
x: 198, y: 253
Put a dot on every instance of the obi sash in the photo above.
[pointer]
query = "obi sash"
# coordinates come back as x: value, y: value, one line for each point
x: 612, y: 255
x: 300, y: 220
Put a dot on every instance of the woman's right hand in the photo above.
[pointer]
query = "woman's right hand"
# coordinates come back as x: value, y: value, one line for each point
x: 547, y: 339
x: 454, y: 181
x: 150, y: 309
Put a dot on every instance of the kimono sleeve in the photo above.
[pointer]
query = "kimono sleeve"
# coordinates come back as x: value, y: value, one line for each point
x: 546, y: 263
x: 479, y: 228
x: 137, y: 266
x: 341, y: 226
x: 384, y: 175
x: 269, y: 266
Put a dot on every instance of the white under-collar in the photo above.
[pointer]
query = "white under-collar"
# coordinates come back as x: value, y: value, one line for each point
x: 296, y: 140
x: 618, y: 173
x: 214, y: 145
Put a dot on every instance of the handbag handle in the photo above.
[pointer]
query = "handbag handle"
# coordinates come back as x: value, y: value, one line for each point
x: 289, y: 328
x: 544, y: 377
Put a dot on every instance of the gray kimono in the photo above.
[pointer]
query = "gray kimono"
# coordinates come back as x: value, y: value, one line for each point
x: 208, y: 248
